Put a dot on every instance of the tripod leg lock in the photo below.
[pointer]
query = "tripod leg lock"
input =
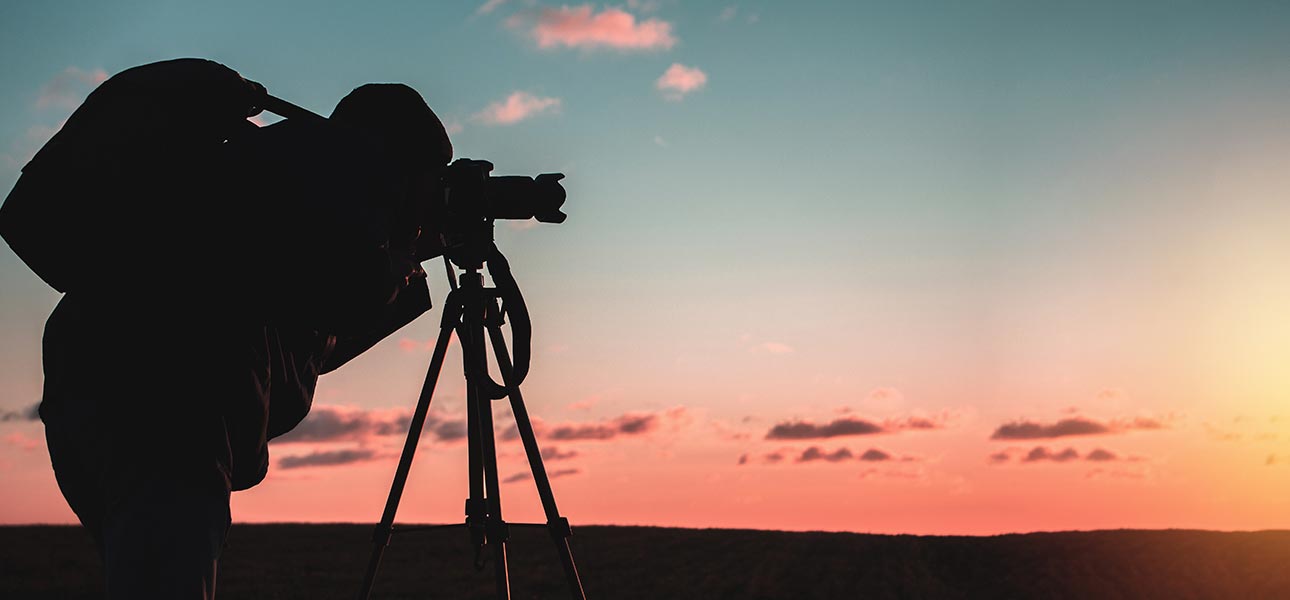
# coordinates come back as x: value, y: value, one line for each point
x: 559, y: 528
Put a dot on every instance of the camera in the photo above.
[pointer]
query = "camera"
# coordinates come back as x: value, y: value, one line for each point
x: 470, y: 199
x: 470, y: 192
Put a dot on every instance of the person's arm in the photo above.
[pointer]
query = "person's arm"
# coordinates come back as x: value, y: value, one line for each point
x: 411, y: 302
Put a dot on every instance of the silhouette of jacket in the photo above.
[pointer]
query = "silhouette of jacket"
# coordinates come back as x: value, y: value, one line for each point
x: 216, y: 280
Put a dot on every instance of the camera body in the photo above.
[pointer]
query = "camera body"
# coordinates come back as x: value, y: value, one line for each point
x: 472, y: 199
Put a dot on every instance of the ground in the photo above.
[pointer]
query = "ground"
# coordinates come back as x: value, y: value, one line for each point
x: 327, y: 561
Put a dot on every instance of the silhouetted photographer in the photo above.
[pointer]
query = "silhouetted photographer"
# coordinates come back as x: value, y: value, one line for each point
x: 212, y: 270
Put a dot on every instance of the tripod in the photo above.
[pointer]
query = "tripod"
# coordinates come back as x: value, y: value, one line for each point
x: 470, y: 310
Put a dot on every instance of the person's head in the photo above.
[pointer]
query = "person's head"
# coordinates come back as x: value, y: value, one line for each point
x: 400, y: 118
x: 414, y: 137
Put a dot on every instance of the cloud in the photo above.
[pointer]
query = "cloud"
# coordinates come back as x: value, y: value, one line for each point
x: 517, y: 107
x: 1100, y: 455
x: 521, y: 476
x: 337, y: 424
x: 18, y: 440
x: 342, y: 424
x: 771, y: 348
x: 525, y: 475
x: 329, y: 458
x: 1039, y: 453
x: 449, y: 430
x: 24, y: 148
x: 1042, y: 454
x: 814, y: 453
x: 899, y: 473
x: 584, y: 404
x: 1138, y: 474
x: 582, y: 27
x: 728, y: 13
x: 847, y: 425
x: 411, y: 345
x: 67, y: 89
x: 805, y: 430
x: 629, y: 424
x: 728, y: 432
x: 679, y: 80
x: 1142, y: 423
x: 489, y: 6
x: 875, y: 455
x: 554, y: 453
x: 30, y: 413
x: 1029, y: 430
x: 918, y: 423
x: 1073, y: 426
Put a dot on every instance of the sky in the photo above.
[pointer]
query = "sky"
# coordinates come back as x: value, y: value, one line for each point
x: 896, y: 267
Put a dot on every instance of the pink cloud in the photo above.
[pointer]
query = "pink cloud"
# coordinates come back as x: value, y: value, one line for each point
x: 517, y: 107
x: 18, y: 440
x: 585, y: 404
x: 24, y: 148
x: 412, y: 345
x: 679, y: 80
x: 67, y: 89
x: 581, y: 27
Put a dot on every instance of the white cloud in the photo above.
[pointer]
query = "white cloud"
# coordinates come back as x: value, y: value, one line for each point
x: 489, y: 7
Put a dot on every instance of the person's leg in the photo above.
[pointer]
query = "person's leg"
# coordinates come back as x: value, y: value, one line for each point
x: 163, y: 540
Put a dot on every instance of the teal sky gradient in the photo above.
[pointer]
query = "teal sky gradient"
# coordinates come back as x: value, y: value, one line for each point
x: 1001, y: 209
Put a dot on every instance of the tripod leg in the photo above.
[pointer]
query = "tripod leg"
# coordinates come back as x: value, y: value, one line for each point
x: 557, y: 526
x: 476, y: 505
x: 481, y: 408
x: 381, y: 536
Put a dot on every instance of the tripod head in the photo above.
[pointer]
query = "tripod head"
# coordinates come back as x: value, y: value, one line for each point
x: 477, y: 307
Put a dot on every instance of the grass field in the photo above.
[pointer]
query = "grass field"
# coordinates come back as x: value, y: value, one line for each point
x: 327, y: 561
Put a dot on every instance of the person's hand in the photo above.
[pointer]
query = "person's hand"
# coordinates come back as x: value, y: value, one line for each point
x: 256, y: 94
x: 404, y: 260
x: 430, y: 246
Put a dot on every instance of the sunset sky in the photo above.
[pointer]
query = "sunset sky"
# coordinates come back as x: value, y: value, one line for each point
x: 900, y: 267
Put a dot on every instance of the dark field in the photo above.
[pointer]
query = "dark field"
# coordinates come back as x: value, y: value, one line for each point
x: 327, y: 561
